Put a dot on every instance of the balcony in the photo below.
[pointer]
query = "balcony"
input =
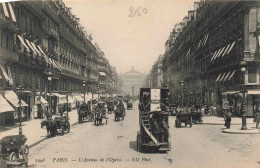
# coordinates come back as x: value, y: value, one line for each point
x: 6, y: 22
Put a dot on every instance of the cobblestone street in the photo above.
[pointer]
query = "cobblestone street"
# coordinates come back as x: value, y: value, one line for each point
x: 200, y: 146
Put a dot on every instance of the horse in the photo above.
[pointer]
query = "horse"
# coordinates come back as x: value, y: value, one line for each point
x: 51, y: 127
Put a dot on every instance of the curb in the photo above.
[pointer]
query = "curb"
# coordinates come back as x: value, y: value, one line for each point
x: 238, y: 131
x: 43, y: 139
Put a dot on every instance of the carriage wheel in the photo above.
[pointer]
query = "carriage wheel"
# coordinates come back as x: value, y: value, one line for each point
x: 139, y: 142
x: 62, y: 130
x: 169, y: 141
x: 68, y: 126
x: 13, y: 157
x: 201, y: 120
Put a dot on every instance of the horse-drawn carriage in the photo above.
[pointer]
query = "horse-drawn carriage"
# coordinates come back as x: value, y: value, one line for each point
x: 129, y: 105
x: 100, y: 113
x: 62, y: 124
x: 84, y: 111
x: 110, y: 107
x: 183, y: 117
x: 13, y: 151
x: 59, y: 123
x: 154, y: 127
x: 196, y: 117
x: 119, y: 113
x: 173, y: 109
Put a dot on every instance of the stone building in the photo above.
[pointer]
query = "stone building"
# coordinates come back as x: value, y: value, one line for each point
x: 204, y: 53
x: 43, y: 40
x: 132, y: 81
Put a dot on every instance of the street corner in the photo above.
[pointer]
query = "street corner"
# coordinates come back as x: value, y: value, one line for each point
x: 252, y: 130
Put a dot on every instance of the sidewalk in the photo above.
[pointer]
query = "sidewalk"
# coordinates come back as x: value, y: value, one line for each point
x: 236, y: 123
x: 32, y: 129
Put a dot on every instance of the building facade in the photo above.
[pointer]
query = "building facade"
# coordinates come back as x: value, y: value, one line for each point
x: 206, y: 51
x: 44, y: 49
x: 132, y: 81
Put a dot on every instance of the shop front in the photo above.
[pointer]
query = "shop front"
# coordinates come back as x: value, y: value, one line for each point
x: 13, y: 99
x: 6, y: 112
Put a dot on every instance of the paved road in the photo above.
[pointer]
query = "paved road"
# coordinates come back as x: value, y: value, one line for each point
x: 114, y: 145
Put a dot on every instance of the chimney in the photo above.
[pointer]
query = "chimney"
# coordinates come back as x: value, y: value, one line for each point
x: 185, y: 20
x: 196, y: 5
x: 191, y: 15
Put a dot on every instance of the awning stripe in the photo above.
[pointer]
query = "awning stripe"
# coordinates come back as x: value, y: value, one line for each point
x: 218, y: 77
x: 11, y: 82
x: 222, y: 76
x: 29, y: 44
x: 231, y: 47
x: 44, y: 55
x: 206, y: 39
x: 217, y: 54
x: 225, y: 50
x: 221, y: 50
x: 22, y: 41
x: 5, y: 9
x: 4, y: 72
x: 12, y: 12
x: 232, y: 75
x: 229, y: 72
x: 35, y: 48
x: 213, y: 56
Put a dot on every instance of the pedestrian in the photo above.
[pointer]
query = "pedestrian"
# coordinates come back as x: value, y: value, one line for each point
x: 155, y: 126
x: 164, y: 130
x: 211, y: 110
x: 203, y: 111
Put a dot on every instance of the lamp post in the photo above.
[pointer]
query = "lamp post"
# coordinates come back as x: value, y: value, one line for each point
x: 19, y: 91
x: 98, y: 91
x: 243, y: 69
x: 182, y: 84
x: 49, y: 73
x: 133, y: 91
x: 84, y: 85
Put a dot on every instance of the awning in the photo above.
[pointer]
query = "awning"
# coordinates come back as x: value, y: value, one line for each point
x: 4, y: 72
x: 230, y: 92
x: 58, y: 95
x: 12, y: 12
x: 13, y: 99
x: 218, y: 77
x: 79, y: 98
x: 22, y: 41
x: 64, y: 100
x: 232, y: 75
x: 253, y: 92
x: 102, y: 73
x: 42, y: 101
x: 4, y: 105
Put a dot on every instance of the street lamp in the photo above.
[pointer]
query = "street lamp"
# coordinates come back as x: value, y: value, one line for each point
x: 84, y: 85
x: 182, y: 84
x: 243, y: 70
x: 98, y: 91
x: 49, y: 73
x: 19, y: 91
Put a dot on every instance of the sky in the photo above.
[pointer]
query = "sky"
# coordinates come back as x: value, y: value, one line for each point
x: 130, y: 32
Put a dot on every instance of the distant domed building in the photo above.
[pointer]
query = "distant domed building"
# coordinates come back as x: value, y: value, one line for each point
x: 132, y: 79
